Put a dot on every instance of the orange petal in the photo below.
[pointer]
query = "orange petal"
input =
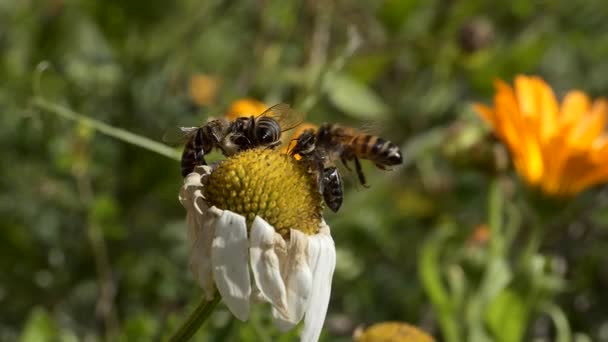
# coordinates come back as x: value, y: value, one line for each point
x: 486, y: 113
x: 595, y: 174
x: 526, y: 96
x: 589, y: 128
x: 521, y: 140
x: 574, y: 106
x: 547, y: 108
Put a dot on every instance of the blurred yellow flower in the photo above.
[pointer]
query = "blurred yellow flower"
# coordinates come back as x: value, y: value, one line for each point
x: 392, y: 332
x: 560, y: 150
x: 245, y: 107
x: 203, y: 89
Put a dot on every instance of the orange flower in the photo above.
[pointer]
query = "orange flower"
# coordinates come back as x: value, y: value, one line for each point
x: 245, y: 107
x: 480, y: 235
x: 560, y: 150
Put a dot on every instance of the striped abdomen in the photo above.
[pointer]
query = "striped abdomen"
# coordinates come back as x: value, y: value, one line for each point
x: 381, y: 152
x: 193, y: 154
x: 267, y: 131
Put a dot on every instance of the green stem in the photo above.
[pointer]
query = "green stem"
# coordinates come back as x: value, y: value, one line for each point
x: 196, y: 320
x: 562, y: 327
x: 495, y: 217
x: 532, y: 244
x: 106, y: 129
x: 430, y: 276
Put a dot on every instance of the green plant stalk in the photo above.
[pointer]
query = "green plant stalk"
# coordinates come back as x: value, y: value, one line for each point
x: 430, y: 277
x: 106, y: 129
x: 562, y: 326
x: 532, y: 244
x: 195, y: 320
x: 497, y: 273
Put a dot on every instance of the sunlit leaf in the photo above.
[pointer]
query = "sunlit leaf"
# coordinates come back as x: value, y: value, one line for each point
x: 354, y: 98
x: 507, y: 317
x: 39, y: 327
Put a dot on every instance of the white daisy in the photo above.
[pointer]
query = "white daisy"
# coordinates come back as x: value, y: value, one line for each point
x: 291, y: 262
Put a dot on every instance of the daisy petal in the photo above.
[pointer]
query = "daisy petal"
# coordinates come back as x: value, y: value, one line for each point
x: 265, y: 264
x: 298, y: 280
x: 322, y: 261
x: 230, y: 263
x: 202, y: 232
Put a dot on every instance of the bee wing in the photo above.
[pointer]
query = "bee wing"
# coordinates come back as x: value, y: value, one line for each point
x: 371, y: 127
x: 345, y: 134
x: 179, y: 135
x: 287, y: 117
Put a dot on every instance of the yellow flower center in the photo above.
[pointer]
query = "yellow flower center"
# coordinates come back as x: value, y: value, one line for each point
x: 269, y: 184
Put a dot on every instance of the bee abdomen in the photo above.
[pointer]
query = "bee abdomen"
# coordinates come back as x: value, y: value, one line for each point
x: 188, y: 161
x: 267, y: 130
x: 332, y: 188
x: 376, y: 149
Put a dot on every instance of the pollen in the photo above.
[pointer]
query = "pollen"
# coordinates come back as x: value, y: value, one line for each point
x: 269, y: 184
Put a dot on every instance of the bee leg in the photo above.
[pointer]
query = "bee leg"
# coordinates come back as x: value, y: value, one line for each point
x: 274, y: 144
x: 200, y: 158
x: 384, y: 168
x: 344, y: 162
x: 360, y: 173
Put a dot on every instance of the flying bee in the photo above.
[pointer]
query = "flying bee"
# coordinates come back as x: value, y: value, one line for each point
x: 332, y: 142
x: 349, y: 144
x: 230, y: 137
x: 328, y: 178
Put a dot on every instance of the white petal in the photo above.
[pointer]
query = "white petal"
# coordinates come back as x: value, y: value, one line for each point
x: 231, y: 263
x: 265, y: 263
x: 200, y: 258
x: 256, y: 294
x: 322, y: 260
x: 298, y: 279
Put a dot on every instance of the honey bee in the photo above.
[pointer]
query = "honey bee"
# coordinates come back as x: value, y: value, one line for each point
x: 328, y: 178
x: 349, y: 144
x: 331, y: 142
x: 230, y: 137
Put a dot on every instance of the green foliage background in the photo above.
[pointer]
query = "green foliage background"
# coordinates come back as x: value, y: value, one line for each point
x: 92, y: 238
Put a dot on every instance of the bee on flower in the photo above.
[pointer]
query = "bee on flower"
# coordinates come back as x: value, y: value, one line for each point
x: 258, y: 234
x: 558, y: 149
x: 237, y: 131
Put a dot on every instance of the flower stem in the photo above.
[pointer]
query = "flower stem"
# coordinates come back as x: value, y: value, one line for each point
x: 106, y: 129
x: 196, y: 319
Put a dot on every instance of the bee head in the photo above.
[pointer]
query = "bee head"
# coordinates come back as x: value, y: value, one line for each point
x: 306, y: 142
x: 394, y: 156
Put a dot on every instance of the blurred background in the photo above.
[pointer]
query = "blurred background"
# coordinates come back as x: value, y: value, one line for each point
x: 93, y: 242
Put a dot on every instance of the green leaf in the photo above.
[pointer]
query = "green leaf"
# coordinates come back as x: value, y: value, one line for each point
x: 393, y: 13
x: 39, y: 327
x: 355, y: 98
x: 139, y: 327
x: 429, y: 267
x: 507, y: 316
